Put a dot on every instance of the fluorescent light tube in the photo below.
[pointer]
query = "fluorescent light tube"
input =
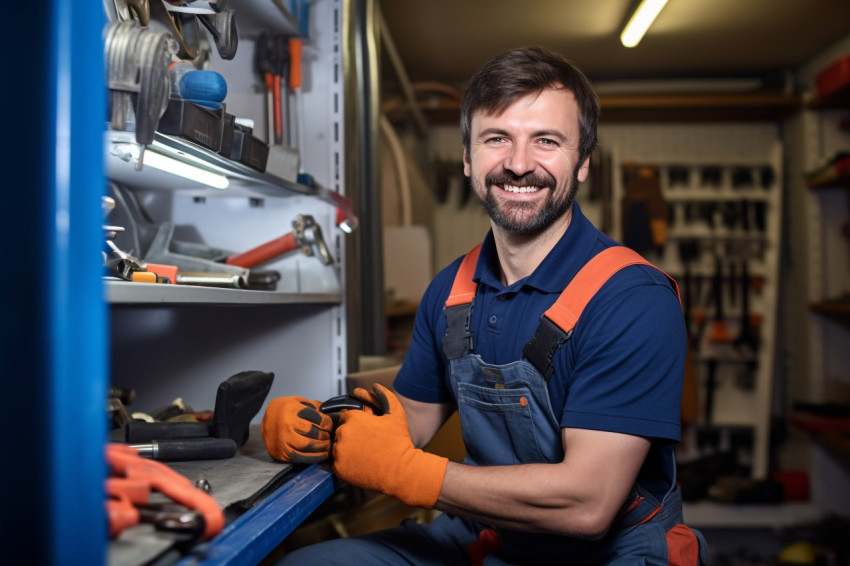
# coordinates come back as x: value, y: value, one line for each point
x: 175, y: 167
x: 640, y: 21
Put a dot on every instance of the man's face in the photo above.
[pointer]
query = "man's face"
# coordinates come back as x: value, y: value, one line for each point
x: 523, y: 163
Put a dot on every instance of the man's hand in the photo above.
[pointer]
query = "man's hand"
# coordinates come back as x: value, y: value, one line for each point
x: 376, y: 453
x: 294, y: 430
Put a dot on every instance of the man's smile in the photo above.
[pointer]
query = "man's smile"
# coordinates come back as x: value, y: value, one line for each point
x: 515, y: 189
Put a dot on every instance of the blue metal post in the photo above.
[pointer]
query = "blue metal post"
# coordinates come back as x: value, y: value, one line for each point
x: 53, y: 332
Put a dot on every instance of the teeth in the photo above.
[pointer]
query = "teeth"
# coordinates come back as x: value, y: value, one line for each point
x: 512, y: 189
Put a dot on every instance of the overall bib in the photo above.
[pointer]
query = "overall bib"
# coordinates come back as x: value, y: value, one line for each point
x: 507, y: 419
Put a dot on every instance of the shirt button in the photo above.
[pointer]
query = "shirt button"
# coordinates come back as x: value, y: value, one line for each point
x: 493, y: 319
x: 503, y: 297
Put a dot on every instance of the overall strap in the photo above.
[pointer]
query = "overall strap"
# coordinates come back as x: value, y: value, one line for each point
x: 457, y: 342
x: 557, y: 323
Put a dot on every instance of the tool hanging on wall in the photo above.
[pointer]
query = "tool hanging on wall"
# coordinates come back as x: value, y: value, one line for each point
x: 137, y: 77
x: 271, y: 60
x: 125, y: 10
x: 182, y: 23
x: 296, y: 133
x: 644, y: 210
x: 182, y: 27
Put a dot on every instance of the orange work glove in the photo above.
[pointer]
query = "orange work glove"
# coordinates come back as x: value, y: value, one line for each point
x: 376, y: 453
x: 294, y: 430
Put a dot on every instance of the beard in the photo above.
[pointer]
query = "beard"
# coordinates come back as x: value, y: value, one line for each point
x: 523, y: 217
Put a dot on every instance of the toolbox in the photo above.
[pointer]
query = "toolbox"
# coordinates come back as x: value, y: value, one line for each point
x: 195, y: 123
x: 248, y: 149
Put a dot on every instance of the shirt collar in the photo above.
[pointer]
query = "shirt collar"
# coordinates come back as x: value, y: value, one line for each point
x: 571, y: 252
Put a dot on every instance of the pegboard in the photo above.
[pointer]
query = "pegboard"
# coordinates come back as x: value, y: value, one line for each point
x: 713, y: 223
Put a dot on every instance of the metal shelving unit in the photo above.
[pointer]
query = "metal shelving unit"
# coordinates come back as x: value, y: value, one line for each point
x: 187, y: 339
x: 123, y: 292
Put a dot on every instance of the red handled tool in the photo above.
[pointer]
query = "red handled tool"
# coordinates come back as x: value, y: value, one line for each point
x: 306, y: 236
x: 132, y: 480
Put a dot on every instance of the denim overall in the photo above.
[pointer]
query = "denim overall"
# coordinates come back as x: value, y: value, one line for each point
x: 507, y: 418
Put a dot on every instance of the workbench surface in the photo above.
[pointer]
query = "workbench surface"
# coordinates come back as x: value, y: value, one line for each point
x: 251, y: 532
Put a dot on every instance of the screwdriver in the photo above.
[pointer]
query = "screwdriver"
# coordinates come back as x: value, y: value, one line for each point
x: 295, y: 79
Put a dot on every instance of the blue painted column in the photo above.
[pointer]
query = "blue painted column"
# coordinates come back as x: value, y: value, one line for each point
x: 53, y: 334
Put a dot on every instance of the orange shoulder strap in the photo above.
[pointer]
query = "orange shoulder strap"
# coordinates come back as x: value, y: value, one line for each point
x: 557, y: 323
x: 590, y: 278
x: 463, y: 288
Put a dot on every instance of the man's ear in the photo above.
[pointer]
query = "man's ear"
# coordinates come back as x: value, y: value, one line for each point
x: 583, y: 170
x: 467, y: 168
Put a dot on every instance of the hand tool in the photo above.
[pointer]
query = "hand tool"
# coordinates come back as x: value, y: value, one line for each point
x: 688, y: 251
x: 222, y: 27
x: 124, y: 394
x: 306, y: 236
x: 719, y: 332
x: 238, y: 399
x: 182, y: 449
x: 270, y: 58
x: 183, y: 27
x: 137, y: 73
x: 264, y: 66
x: 149, y: 475
x: 346, y: 402
x: 158, y: 246
x: 139, y: 8
x: 710, y: 386
x: 281, y: 64
x: 747, y: 339
x: 295, y: 83
x: 346, y: 220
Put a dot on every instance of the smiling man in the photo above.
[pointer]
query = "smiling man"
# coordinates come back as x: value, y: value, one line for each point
x: 562, y: 351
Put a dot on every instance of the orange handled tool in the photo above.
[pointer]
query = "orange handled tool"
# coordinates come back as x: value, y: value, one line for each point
x: 126, y: 463
x: 295, y: 50
x: 264, y: 252
x: 306, y: 236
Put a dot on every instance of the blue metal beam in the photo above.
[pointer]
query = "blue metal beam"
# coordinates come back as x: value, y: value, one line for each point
x: 77, y: 314
x: 53, y: 331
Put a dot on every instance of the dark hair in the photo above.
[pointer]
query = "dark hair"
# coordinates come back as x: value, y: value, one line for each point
x: 520, y: 72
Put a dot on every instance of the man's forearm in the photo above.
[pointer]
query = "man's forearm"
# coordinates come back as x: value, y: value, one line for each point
x: 526, y: 497
x: 579, y: 496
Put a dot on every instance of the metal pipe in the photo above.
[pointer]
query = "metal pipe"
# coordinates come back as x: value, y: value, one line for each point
x: 398, y: 66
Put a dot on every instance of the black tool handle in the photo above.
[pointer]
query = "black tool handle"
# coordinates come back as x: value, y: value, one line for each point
x: 188, y: 449
x: 141, y: 431
x: 344, y: 402
x: 710, y: 386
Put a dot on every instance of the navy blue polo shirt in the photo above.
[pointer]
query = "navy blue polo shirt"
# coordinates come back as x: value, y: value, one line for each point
x: 622, y: 369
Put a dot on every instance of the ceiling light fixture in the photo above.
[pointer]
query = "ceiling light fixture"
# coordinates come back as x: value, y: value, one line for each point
x: 185, y: 170
x: 640, y: 21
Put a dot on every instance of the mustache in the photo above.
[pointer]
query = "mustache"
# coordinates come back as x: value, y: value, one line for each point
x: 527, y: 180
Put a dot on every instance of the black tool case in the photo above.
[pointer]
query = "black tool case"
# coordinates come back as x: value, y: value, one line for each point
x: 248, y: 149
x: 195, y: 123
